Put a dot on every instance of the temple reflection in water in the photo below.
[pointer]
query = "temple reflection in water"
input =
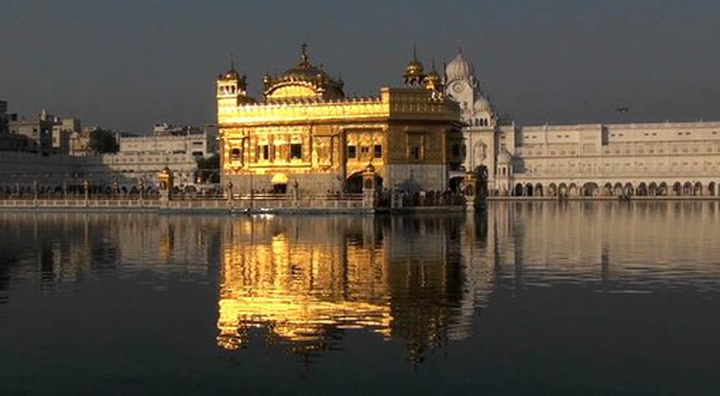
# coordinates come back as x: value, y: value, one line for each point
x: 307, y: 279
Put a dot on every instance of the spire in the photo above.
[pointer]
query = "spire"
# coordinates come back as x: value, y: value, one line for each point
x: 304, y: 60
x: 232, y: 61
x: 414, y: 71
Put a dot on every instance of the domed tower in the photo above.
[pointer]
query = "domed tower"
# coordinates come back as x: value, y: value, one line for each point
x: 232, y: 88
x: 433, y: 81
x: 414, y: 72
x: 482, y: 133
x: 463, y: 87
x: 304, y: 81
x: 504, y: 177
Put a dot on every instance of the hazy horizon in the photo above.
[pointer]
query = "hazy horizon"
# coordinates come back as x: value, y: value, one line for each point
x: 127, y: 65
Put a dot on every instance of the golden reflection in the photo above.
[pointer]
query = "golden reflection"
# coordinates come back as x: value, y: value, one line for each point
x: 306, y: 279
x: 294, y: 279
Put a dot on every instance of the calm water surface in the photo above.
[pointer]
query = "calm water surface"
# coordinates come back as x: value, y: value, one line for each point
x: 530, y: 298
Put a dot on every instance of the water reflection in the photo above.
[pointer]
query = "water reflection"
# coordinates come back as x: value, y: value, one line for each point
x: 618, y: 247
x: 53, y: 249
x: 422, y: 279
x: 306, y: 280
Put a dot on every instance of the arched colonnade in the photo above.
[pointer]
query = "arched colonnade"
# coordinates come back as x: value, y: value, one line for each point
x: 592, y: 189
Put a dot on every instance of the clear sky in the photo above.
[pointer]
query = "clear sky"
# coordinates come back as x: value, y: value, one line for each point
x: 128, y: 64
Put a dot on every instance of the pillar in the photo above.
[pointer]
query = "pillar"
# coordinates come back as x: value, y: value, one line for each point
x: 296, y: 190
x: 86, y: 191
x: 229, y: 189
x: 167, y: 181
x: 370, y: 187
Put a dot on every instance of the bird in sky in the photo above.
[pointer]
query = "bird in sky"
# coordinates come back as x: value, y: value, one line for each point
x: 623, y: 109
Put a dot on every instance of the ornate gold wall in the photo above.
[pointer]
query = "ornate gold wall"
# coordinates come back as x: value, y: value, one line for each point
x: 305, y: 130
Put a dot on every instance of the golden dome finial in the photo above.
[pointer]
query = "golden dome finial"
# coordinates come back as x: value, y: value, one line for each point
x: 432, y: 80
x: 231, y: 74
x: 304, y: 60
x: 414, y: 71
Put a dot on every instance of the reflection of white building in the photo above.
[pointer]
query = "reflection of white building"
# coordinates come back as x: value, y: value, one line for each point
x: 642, y: 243
x: 587, y: 159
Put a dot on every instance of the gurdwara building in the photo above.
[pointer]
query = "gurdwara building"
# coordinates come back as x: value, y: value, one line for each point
x: 667, y: 158
x: 306, y: 133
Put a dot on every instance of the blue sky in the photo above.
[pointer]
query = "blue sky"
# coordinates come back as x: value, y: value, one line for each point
x: 129, y: 64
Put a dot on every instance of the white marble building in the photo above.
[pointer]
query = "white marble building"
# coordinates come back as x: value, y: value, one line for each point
x: 666, y: 158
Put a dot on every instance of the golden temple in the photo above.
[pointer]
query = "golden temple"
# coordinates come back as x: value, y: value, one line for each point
x: 305, y: 131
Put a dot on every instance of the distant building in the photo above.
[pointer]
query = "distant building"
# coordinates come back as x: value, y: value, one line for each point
x: 143, y: 157
x: 665, y: 158
x: 166, y: 129
x: 62, y: 133
x: 12, y: 142
x: 80, y: 142
x: 37, y: 131
x: 196, y: 144
x: 45, y: 135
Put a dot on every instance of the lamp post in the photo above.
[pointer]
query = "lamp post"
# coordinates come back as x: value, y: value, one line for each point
x: 86, y: 187
x: 142, y: 188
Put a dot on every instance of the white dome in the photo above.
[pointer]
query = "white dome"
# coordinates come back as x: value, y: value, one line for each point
x: 504, y: 158
x: 483, y: 104
x: 459, y: 69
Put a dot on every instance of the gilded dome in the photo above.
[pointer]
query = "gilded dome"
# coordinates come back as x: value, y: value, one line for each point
x: 459, y: 68
x: 305, y: 73
x: 414, y: 68
x: 231, y: 74
x: 414, y: 72
x: 312, y: 80
x: 432, y: 79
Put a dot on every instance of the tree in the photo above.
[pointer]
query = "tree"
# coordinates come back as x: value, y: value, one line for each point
x: 208, y: 169
x: 103, y: 141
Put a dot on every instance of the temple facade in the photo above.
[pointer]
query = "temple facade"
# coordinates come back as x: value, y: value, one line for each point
x: 646, y: 159
x: 305, y: 133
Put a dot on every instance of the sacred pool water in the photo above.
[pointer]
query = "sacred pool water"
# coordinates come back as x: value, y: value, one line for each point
x: 541, y: 298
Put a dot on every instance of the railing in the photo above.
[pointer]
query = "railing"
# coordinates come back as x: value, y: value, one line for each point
x: 256, y: 201
x: 79, y: 203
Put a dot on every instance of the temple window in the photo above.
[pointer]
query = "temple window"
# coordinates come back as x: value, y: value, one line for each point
x: 265, y: 152
x: 415, y: 152
x: 352, y: 152
x: 235, y: 153
x: 364, y: 150
x: 378, y: 151
x: 296, y: 151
